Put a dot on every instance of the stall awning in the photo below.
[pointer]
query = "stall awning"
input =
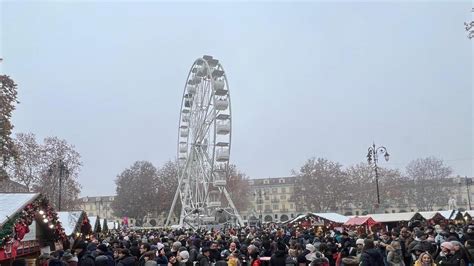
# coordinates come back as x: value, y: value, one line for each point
x: 11, y: 203
x: 71, y: 221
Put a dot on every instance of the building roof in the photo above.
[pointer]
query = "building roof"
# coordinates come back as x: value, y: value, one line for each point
x: 11, y: 203
x: 360, y: 221
x: 393, y: 217
x: 69, y: 221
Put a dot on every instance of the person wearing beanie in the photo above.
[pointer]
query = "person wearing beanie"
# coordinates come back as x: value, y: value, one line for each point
x: 447, y: 256
x: 103, y: 257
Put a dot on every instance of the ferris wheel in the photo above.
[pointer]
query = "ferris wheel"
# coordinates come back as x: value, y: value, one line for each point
x: 204, y: 142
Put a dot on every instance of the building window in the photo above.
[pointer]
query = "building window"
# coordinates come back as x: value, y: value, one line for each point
x: 267, y: 197
x: 245, y: 217
x: 357, y: 212
x: 291, y: 205
x: 292, y: 215
x: 275, y: 207
x: 276, y: 216
x: 283, y: 190
x: 274, y: 190
x: 282, y: 181
x: 393, y: 211
x: 282, y: 197
x: 266, y: 181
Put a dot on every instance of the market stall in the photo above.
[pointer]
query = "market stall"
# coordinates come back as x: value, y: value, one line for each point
x: 75, y: 223
x: 28, y: 224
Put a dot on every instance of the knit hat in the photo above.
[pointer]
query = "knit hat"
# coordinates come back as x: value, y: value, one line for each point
x: 184, y: 255
x: 310, y: 247
x: 447, y: 245
x: 360, y: 241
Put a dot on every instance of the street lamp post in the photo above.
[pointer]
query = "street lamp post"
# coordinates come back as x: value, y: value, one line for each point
x: 372, y: 157
x: 60, y: 169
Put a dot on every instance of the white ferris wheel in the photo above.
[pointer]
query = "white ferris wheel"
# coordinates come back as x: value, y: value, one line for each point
x: 204, y: 141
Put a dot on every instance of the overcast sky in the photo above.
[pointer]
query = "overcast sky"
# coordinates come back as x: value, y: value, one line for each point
x: 308, y: 79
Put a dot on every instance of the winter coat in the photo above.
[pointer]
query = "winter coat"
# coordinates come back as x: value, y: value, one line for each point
x: 449, y: 260
x: 278, y: 259
x: 371, y: 257
x: 162, y: 260
x: 104, y: 260
x: 203, y: 260
x: 86, y: 259
x: 127, y: 261
x: 56, y: 262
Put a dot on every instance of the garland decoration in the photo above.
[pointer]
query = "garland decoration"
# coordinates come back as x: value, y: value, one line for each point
x: 16, y: 227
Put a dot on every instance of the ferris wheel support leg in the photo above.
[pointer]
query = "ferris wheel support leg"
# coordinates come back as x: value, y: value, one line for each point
x: 173, y: 205
x: 231, y: 203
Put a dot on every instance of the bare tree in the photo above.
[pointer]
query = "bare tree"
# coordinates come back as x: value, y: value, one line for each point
x: 8, y: 99
x: 56, y: 150
x: 429, y: 179
x: 28, y: 165
x: 319, y: 185
x: 137, y: 191
x: 238, y: 188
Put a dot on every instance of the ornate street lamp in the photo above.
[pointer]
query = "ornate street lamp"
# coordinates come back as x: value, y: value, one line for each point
x: 372, y: 158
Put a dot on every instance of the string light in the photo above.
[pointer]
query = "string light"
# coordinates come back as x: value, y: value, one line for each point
x: 41, y: 212
x: 45, y: 220
x: 51, y: 226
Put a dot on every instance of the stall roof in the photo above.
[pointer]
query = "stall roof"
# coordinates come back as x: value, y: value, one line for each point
x: 333, y: 217
x: 392, y: 217
x: 93, y: 221
x: 361, y: 220
x: 11, y: 203
x: 330, y: 216
x: 69, y: 220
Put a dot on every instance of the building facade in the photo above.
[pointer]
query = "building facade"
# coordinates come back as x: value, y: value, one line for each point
x: 271, y: 200
x: 99, y: 206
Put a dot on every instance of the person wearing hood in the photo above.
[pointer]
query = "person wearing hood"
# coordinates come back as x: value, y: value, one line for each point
x: 394, y: 255
x: 371, y: 256
x: 279, y: 257
x: 125, y: 259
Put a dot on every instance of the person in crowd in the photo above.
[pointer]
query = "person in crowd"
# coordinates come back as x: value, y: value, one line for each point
x: 280, y: 255
x: 394, y: 255
x: 84, y: 256
x: 125, y: 258
x: 144, y: 248
x: 254, y: 255
x: 161, y: 258
x: 70, y: 259
x: 371, y: 256
x: 203, y: 259
x: 104, y: 256
x: 425, y: 259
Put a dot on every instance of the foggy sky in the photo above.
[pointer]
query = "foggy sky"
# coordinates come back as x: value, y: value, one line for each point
x: 308, y: 79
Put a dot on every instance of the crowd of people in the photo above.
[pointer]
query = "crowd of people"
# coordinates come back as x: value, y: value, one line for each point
x: 274, y: 246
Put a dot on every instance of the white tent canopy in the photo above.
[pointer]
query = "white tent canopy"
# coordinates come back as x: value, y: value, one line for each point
x: 330, y: 216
